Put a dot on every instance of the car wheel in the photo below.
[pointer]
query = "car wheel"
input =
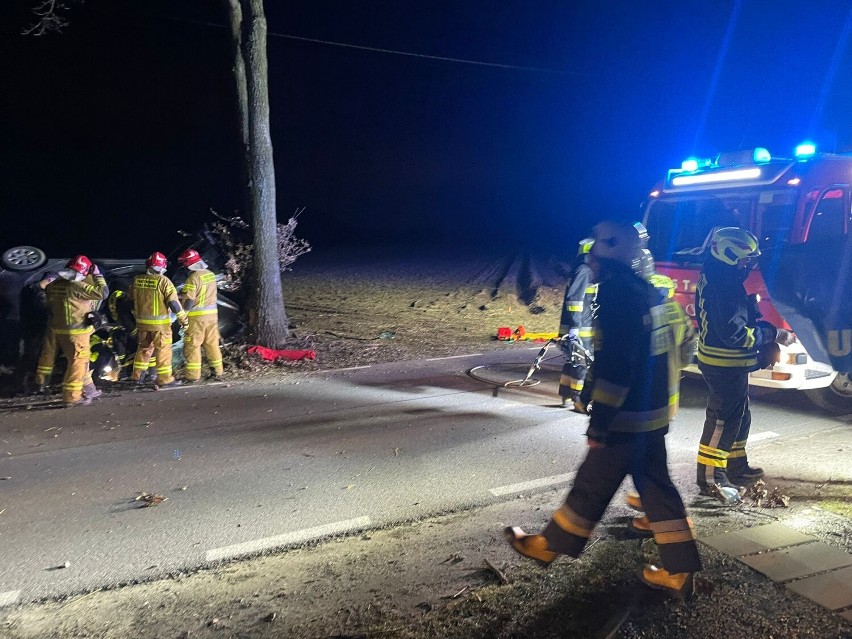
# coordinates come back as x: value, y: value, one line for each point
x: 836, y: 398
x: 23, y: 258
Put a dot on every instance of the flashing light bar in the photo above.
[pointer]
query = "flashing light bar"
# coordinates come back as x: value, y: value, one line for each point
x: 794, y: 182
x: 654, y: 193
x: 724, y: 176
x: 689, y: 165
x: 805, y: 149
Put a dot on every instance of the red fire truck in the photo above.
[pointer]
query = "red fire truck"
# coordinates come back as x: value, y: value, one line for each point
x: 800, y: 209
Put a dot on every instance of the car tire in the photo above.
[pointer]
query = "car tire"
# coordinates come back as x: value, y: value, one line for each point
x: 836, y: 398
x: 23, y: 258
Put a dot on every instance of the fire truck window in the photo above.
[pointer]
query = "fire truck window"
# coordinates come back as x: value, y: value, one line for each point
x: 682, y: 226
x: 829, y: 217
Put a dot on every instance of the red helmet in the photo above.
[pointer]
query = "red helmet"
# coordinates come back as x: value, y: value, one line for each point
x: 189, y: 257
x: 157, y: 260
x: 81, y: 264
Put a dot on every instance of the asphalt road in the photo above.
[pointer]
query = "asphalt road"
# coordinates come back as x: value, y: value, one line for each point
x: 251, y: 466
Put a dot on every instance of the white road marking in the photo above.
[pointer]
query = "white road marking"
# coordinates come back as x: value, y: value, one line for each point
x: 438, y: 359
x: 298, y: 536
x: 9, y: 598
x: 189, y: 386
x: 533, y: 483
x: 337, y: 370
x: 768, y: 434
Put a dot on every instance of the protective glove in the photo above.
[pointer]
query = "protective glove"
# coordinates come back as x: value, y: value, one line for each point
x: 95, y: 269
x: 785, y: 337
x: 573, y: 333
x: 183, y: 319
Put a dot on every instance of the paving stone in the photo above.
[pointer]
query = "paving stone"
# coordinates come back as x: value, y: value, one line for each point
x: 755, y: 539
x: 832, y: 590
x: 798, y: 561
x: 847, y: 614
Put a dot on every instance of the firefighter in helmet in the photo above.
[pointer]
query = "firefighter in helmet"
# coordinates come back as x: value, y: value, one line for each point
x: 729, y: 337
x: 627, y: 427
x: 575, y: 326
x: 154, y: 299
x: 77, y: 292
x: 198, y: 297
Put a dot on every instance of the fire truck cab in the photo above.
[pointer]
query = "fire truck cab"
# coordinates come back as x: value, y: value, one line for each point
x: 802, y: 200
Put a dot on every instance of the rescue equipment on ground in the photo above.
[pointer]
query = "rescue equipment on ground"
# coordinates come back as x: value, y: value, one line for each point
x: 504, y: 333
x: 271, y: 355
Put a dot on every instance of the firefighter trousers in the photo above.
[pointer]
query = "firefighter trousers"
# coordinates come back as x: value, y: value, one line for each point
x: 643, y: 456
x: 722, y: 447
x: 75, y: 347
x: 46, y: 358
x: 158, y: 344
x: 203, y: 331
x: 573, y: 370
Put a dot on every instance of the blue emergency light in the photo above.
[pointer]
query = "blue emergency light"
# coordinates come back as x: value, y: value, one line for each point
x: 805, y: 150
x: 761, y: 155
x: 689, y: 165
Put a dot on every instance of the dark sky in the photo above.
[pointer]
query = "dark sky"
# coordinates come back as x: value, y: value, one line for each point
x: 122, y: 129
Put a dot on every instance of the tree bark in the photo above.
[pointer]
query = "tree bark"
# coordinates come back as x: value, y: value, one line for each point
x: 235, y: 12
x: 271, y: 328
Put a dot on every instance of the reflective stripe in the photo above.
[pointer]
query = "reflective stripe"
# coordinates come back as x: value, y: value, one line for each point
x: 592, y: 289
x: 608, y: 393
x: 194, y: 313
x: 673, y: 531
x: 572, y: 523
x: 716, y: 452
x: 726, y: 363
x: 737, y: 453
x: 192, y: 367
x: 640, y: 421
x: 708, y: 461
x: 574, y: 307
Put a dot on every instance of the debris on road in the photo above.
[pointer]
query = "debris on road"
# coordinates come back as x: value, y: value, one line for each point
x: 149, y: 499
x: 760, y: 496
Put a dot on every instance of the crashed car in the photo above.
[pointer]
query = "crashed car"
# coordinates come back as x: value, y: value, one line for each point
x: 113, y: 344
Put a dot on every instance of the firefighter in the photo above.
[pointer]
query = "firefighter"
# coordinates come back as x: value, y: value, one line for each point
x: 199, y: 301
x: 626, y: 433
x: 33, y: 322
x: 728, y: 343
x: 154, y: 299
x: 575, y: 324
x: 77, y: 292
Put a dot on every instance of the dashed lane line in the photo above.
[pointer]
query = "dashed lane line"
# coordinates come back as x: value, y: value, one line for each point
x: 756, y: 437
x: 533, y: 483
x: 298, y: 536
x: 438, y: 359
x: 9, y: 598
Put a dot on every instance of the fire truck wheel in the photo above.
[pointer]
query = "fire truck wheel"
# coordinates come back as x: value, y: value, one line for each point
x: 836, y: 398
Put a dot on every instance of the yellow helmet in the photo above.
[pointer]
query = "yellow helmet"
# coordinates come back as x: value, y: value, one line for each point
x: 585, y: 246
x: 731, y: 244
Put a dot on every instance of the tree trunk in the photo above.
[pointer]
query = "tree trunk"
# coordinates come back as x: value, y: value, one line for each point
x: 239, y: 70
x: 272, y: 328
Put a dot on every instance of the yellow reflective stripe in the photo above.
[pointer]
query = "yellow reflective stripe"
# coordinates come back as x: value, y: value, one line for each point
x: 215, y: 362
x: 709, y: 461
x: 586, y: 332
x: 164, y: 369
x: 73, y: 385
x: 641, y: 420
x: 717, y: 452
x: 572, y: 523
x: 725, y: 363
x: 739, y: 444
x: 574, y: 308
x: 44, y: 369
x: 210, y: 311
x: 724, y: 352
x: 609, y: 393
x: 592, y: 290
x: 193, y: 367
x: 737, y: 453
x: 156, y: 322
x: 188, y: 287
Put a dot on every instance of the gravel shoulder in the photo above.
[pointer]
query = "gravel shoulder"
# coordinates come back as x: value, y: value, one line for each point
x: 453, y: 575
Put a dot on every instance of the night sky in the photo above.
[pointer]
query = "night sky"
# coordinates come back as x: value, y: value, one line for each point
x: 122, y: 129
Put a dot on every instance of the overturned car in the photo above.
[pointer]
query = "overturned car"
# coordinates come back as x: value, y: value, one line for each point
x: 113, y: 342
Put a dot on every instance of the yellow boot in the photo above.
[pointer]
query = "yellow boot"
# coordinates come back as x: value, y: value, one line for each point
x: 633, y: 501
x: 680, y: 585
x: 532, y: 546
x: 641, y: 526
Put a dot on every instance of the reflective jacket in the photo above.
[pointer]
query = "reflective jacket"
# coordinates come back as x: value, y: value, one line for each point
x: 68, y: 302
x: 199, y: 293
x: 153, y: 296
x: 728, y: 335
x: 634, y: 388
x: 577, y: 306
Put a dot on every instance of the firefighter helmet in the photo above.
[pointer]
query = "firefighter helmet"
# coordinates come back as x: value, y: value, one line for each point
x: 585, y: 246
x: 81, y: 264
x: 189, y: 257
x: 617, y: 241
x: 731, y: 245
x: 157, y: 261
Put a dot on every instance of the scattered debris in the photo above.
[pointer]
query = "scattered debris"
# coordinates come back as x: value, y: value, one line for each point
x: 500, y: 575
x: 4, y: 478
x: 149, y: 499
x: 270, y: 617
x: 760, y: 496
x: 459, y: 593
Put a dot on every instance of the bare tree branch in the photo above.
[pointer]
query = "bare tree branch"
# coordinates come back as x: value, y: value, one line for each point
x: 48, y: 17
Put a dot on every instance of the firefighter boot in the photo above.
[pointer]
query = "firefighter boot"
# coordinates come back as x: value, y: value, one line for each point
x: 532, y: 546
x: 85, y: 401
x: 641, y: 526
x: 633, y: 501
x: 744, y: 474
x: 90, y: 391
x: 680, y: 585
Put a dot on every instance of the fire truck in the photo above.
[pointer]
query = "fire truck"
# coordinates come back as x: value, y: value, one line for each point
x: 800, y: 208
